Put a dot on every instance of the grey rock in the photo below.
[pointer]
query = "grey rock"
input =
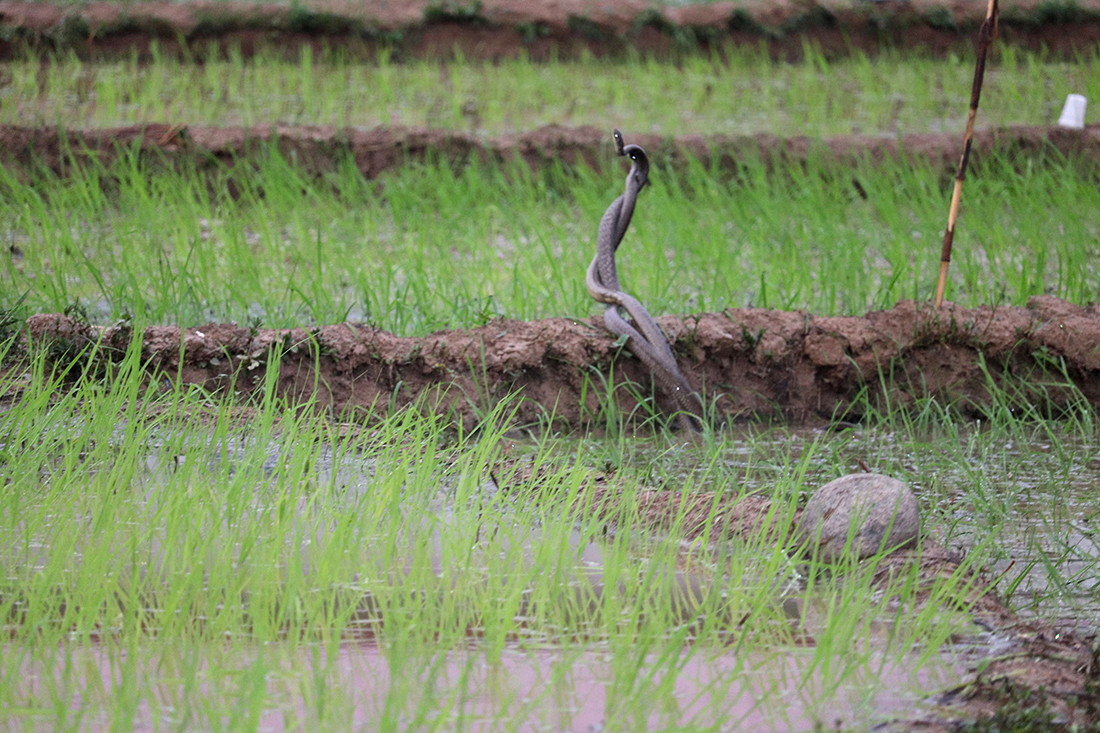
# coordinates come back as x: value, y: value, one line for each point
x: 864, y: 507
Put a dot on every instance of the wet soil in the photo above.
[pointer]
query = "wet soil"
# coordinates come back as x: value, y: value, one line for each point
x: 1031, y: 670
x: 496, y: 29
x: 320, y: 149
x: 749, y: 363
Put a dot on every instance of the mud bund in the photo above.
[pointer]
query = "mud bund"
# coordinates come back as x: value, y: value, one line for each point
x: 748, y: 363
x: 498, y: 29
x: 320, y: 149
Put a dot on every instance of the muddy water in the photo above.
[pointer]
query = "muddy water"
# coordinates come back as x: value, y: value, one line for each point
x: 510, y: 689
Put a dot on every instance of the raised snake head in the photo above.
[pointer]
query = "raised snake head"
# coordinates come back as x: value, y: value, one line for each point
x: 639, y: 171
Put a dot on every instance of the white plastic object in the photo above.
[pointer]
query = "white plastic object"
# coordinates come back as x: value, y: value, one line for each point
x: 1073, y: 114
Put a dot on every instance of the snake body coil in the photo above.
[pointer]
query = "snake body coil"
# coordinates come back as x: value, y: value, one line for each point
x: 644, y: 337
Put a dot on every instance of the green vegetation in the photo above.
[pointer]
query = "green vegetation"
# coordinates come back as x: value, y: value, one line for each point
x: 183, y: 559
x: 747, y: 93
x: 174, y: 557
x: 429, y: 247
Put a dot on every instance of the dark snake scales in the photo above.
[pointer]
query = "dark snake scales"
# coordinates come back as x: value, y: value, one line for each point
x: 644, y: 337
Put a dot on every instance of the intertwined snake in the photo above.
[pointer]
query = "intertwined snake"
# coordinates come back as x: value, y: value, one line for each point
x: 644, y: 337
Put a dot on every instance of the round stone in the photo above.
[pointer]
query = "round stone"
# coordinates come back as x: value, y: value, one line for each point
x: 860, y: 513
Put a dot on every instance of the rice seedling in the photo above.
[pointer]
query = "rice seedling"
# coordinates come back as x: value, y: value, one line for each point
x: 430, y: 247
x: 735, y: 90
x: 175, y: 557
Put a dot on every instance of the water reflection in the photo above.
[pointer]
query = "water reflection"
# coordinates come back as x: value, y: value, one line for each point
x: 364, y: 687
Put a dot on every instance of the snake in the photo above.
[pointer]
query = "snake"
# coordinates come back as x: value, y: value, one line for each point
x: 644, y: 337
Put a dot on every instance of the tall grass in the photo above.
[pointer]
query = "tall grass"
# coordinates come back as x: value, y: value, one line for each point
x: 732, y: 90
x: 435, y: 246
x: 171, y: 555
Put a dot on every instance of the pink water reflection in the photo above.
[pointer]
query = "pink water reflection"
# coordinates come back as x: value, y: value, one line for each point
x: 361, y: 687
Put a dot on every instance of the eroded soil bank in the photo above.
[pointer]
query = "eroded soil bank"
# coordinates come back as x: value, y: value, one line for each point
x: 496, y: 29
x: 320, y: 149
x: 749, y: 363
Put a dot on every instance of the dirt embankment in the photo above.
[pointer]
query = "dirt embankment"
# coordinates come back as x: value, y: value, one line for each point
x: 752, y: 363
x: 495, y: 29
x: 320, y: 149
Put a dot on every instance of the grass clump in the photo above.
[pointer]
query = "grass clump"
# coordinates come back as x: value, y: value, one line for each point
x: 455, y: 11
x: 1048, y: 12
x: 302, y: 19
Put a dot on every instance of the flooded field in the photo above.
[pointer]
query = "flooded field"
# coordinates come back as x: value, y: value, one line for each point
x: 173, y: 561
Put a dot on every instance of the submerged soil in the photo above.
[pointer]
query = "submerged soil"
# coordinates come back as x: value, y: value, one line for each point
x: 749, y: 363
x: 320, y: 149
x: 496, y: 29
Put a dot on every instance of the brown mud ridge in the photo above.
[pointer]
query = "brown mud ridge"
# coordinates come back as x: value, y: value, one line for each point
x: 748, y: 363
x: 1019, y: 670
x: 496, y: 29
x: 375, y: 151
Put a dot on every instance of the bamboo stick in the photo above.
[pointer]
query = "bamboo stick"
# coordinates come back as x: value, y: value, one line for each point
x: 985, y: 40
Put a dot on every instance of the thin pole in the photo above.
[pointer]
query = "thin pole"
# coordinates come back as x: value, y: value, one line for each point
x: 985, y: 40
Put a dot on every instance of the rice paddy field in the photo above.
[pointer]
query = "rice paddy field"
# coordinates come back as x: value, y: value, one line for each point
x: 731, y: 89
x: 173, y: 558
